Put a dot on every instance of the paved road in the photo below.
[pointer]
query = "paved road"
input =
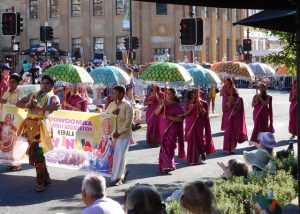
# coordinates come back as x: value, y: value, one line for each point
x: 17, y: 193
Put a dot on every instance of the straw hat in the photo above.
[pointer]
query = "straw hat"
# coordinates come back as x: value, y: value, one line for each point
x: 259, y: 158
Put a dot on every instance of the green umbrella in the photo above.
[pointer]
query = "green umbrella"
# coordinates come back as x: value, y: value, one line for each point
x: 69, y: 73
x: 168, y: 73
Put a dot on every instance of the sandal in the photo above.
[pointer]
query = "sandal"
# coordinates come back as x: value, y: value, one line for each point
x: 14, y: 168
x: 40, y: 188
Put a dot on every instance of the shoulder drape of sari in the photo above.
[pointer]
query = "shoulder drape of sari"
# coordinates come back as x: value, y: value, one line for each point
x: 152, y: 120
x: 262, y: 118
x: 169, y: 133
x: 194, y: 123
x: 236, y: 130
x: 293, y: 122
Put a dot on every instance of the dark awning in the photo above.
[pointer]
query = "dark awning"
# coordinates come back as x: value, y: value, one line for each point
x: 280, y: 20
x: 240, y: 4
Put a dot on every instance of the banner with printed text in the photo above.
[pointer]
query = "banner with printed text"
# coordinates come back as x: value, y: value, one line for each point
x: 81, y: 140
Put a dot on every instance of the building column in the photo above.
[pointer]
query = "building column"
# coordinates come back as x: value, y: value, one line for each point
x: 223, y: 33
x: 87, y: 41
x: 212, y: 34
x: 232, y: 37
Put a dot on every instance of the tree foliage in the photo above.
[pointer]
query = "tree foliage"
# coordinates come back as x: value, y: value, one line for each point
x: 287, y: 56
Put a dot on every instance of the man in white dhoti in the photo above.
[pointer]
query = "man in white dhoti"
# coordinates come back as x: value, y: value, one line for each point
x: 122, y: 109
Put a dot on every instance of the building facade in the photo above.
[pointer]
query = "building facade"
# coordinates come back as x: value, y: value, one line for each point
x: 95, y: 28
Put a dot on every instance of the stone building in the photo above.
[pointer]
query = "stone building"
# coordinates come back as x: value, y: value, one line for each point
x: 98, y: 28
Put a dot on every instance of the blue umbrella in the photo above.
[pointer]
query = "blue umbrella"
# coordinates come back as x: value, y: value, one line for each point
x: 262, y: 70
x: 110, y: 75
x: 203, y: 77
x: 188, y: 65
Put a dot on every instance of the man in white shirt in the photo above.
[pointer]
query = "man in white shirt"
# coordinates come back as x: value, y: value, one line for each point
x: 94, y: 196
x: 122, y: 134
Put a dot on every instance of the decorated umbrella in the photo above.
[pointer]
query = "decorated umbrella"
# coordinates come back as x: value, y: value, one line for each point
x: 188, y: 65
x: 167, y: 73
x: 110, y: 75
x: 233, y: 69
x: 69, y: 73
x: 210, y: 77
x: 262, y: 70
x: 214, y: 76
x: 282, y: 71
x: 203, y: 78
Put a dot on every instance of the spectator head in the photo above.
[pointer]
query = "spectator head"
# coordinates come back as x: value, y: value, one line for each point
x: 144, y: 199
x: 5, y: 71
x: 15, y: 77
x: 267, y: 141
x: 197, y: 197
x: 50, y: 79
x: 259, y: 158
x: 14, y: 81
x: 93, y: 188
x: 239, y: 169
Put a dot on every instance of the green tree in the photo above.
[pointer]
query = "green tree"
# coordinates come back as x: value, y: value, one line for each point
x: 287, y: 56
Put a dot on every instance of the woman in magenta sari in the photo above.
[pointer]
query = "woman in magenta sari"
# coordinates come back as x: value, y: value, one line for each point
x: 293, y: 123
x: 225, y: 92
x: 236, y: 130
x: 262, y: 113
x: 196, y: 121
x: 152, y: 100
x: 73, y: 100
x: 169, y: 127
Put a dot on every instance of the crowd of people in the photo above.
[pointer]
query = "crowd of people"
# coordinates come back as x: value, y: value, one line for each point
x: 171, y: 122
x: 195, y: 197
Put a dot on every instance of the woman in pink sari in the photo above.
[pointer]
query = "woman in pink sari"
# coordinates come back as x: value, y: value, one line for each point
x: 73, y: 100
x: 236, y: 130
x: 169, y: 127
x: 225, y: 92
x: 293, y: 123
x: 262, y: 113
x: 152, y: 100
x: 196, y: 121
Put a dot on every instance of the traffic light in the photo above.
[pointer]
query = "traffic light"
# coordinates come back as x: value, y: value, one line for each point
x: 247, y: 45
x: 19, y: 24
x: 9, y: 24
x: 126, y: 43
x: 135, y: 42
x: 49, y: 33
x: 46, y: 33
x: 43, y: 33
x: 191, y: 30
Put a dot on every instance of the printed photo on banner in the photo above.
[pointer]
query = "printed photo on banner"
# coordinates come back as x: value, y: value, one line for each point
x: 12, y: 148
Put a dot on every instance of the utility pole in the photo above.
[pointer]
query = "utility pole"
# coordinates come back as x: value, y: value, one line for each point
x: 191, y: 14
x: 13, y: 41
x: 130, y: 34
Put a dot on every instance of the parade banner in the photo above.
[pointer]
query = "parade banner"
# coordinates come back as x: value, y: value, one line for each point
x: 12, y: 148
x: 81, y: 140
